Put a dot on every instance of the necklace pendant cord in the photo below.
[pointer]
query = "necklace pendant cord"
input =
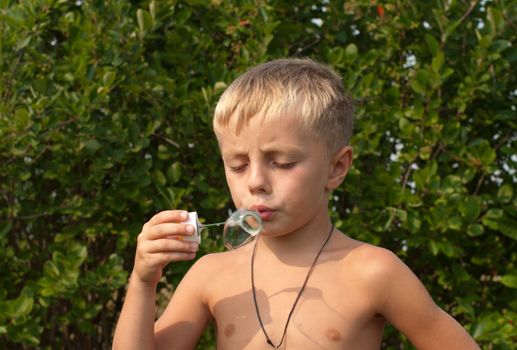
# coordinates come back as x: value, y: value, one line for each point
x: 268, y: 340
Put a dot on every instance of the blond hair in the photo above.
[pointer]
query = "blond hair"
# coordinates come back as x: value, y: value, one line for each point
x: 301, y: 88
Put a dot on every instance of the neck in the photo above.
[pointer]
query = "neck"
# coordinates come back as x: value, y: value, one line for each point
x: 295, y: 247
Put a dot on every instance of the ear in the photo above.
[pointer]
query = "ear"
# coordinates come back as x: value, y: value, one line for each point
x: 340, y: 163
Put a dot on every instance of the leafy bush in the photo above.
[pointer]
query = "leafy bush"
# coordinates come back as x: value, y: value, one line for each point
x: 105, y: 119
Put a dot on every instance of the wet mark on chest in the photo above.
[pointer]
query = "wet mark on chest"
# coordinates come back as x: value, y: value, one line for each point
x: 229, y: 330
x: 333, y: 335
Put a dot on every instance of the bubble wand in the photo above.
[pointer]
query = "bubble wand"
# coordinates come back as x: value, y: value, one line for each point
x: 240, y: 228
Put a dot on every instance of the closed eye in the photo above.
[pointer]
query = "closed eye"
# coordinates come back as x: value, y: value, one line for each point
x: 238, y: 168
x: 284, y: 165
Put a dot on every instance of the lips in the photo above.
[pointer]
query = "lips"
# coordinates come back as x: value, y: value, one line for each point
x: 265, y: 212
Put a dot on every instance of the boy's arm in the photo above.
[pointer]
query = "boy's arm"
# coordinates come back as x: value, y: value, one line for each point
x: 180, y: 325
x: 135, y: 324
x: 187, y: 313
x: 158, y: 244
x: 402, y: 299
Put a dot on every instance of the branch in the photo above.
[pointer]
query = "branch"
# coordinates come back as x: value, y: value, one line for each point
x: 503, y: 140
x: 166, y: 139
x: 33, y: 216
x: 478, y: 185
x: 405, y: 178
x: 469, y: 10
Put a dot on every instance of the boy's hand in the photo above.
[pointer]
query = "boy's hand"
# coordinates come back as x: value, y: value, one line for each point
x: 159, y: 243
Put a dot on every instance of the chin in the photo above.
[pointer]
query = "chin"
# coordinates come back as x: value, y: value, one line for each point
x: 271, y: 231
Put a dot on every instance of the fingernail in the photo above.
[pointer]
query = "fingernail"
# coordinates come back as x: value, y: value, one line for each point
x: 184, y: 215
x: 190, y: 228
x: 194, y: 246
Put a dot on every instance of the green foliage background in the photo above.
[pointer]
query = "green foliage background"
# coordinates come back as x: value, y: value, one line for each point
x: 105, y: 119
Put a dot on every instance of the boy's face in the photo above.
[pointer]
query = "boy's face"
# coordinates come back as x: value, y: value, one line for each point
x: 279, y: 170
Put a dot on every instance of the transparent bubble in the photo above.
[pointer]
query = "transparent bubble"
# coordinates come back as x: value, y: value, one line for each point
x: 241, y: 227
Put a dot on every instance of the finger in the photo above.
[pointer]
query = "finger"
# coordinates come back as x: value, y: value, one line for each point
x: 168, y: 229
x: 166, y: 245
x: 169, y: 257
x: 168, y: 216
x: 160, y: 260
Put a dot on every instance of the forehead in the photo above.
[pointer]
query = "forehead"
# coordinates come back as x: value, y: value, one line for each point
x: 279, y: 135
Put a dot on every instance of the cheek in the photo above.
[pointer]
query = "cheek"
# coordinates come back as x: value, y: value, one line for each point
x: 302, y: 186
x: 310, y: 180
x: 234, y: 189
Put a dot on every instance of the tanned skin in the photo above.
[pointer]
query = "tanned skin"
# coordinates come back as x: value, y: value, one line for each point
x: 355, y: 289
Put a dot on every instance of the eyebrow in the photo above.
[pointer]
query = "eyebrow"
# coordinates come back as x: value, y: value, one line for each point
x: 267, y: 152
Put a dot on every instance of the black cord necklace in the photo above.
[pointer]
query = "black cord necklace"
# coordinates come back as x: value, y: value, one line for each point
x: 297, y: 297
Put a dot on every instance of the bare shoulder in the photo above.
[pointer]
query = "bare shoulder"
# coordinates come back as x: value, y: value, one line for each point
x: 368, y: 260
x: 209, y: 263
x: 215, y: 261
x: 375, y: 269
x: 207, y: 267
x: 218, y: 265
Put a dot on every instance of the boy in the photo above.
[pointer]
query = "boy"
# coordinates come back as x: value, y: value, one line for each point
x: 283, y: 130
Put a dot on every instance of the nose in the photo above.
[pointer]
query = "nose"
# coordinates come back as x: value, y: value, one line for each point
x: 258, y: 180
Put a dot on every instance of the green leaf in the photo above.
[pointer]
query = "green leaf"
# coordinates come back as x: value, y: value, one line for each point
x: 509, y: 280
x: 481, y: 152
x: 455, y: 223
x: 447, y: 248
x: 501, y: 45
x: 434, y: 247
x: 108, y: 78
x: 5, y: 228
x: 4, y: 4
x: 470, y: 208
x: 451, y: 131
x: 494, y: 214
x: 351, y: 52
x: 498, y: 221
x: 406, y: 127
x: 437, y: 62
x: 159, y: 178
x: 163, y: 152
x: 508, y: 227
x: 21, y: 118
x: 496, y: 19
x: 220, y: 86
x: 174, y: 172
x: 475, y: 230
x: 152, y: 9
x: 505, y: 193
x: 414, y: 223
x: 22, y: 306
x: 418, y: 87
x: 145, y: 21
x: 447, y: 72
x: 483, y: 327
x: 414, y: 201
x: 183, y: 15
x: 23, y: 43
x: 432, y: 44
x: 134, y: 132
x: 401, y: 215
x: 92, y: 146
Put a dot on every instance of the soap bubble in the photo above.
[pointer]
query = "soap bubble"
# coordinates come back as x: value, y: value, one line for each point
x: 241, y: 227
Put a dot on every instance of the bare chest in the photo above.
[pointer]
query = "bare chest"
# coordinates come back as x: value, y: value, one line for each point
x: 331, y: 313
